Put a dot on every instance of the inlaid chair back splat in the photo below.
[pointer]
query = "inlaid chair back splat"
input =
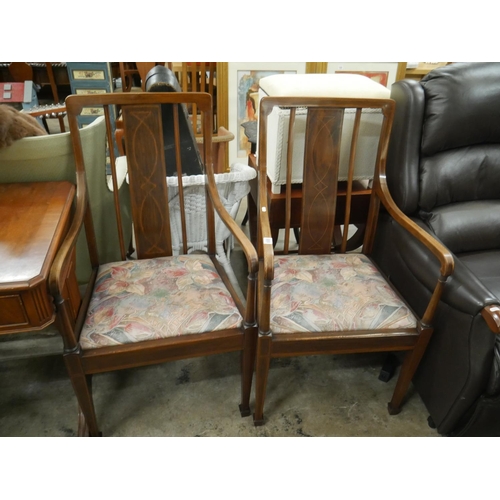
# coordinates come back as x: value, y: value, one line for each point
x: 164, y: 304
x: 320, y: 298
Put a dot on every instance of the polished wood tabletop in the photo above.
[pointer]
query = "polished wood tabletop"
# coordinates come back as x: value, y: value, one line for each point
x: 34, y: 218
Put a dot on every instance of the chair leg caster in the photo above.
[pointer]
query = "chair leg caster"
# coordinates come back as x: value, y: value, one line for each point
x: 244, y: 411
x: 258, y: 422
x: 392, y: 410
x: 390, y: 364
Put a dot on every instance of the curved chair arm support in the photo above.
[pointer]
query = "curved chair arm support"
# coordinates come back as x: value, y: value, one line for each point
x: 223, y: 135
x: 82, y: 216
x: 264, y: 238
x: 62, y: 261
x: 444, y: 256
x: 464, y: 291
x: 246, y: 246
x: 248, y: 249
x: 266, y: 256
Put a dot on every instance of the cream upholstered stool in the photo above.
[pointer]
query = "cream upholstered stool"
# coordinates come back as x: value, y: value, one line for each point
x: 320, y: 85
x: 316, y: 85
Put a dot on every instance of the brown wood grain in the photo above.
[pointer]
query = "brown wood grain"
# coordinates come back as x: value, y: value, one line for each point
x: 34, y: 219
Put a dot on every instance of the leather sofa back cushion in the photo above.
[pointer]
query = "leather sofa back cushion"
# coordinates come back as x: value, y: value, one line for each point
x: 463, y: 174
x: 462, y: 107
x: 467, y: 226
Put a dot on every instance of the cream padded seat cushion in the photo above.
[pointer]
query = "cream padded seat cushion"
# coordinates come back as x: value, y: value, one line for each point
x: 323, y: 85
x: 320, y: 85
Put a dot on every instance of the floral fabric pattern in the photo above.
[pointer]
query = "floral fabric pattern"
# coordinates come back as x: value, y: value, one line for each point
x: 140, y: 300
x: 326, y: 293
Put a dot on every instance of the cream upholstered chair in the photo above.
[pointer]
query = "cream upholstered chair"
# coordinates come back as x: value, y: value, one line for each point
x: 51, y: 158
x: 320, y: 85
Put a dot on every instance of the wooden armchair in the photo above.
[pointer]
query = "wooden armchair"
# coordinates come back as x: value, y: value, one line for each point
x: 322, y: 300
x: 158, y: 306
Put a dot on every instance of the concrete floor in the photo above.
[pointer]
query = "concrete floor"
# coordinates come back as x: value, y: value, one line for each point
x: 307, y: 396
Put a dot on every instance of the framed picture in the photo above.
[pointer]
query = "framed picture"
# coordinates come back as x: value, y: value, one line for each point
x: 243, y: 90
x: 381, y: 72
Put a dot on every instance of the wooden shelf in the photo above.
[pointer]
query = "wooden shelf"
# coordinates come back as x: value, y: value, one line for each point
x: 419, y: 72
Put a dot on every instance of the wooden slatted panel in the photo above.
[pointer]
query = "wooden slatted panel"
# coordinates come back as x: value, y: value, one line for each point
x: 350, y: 175
x: 288, y: 199
x: 321, y: 170
x: 114, y: 179
x: 178, y: 163
x: 147, y: 172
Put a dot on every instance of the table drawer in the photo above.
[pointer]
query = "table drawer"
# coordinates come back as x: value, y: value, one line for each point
x: 28, y: 310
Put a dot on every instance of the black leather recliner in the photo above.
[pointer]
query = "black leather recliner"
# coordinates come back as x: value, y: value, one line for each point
x: 443, y: 171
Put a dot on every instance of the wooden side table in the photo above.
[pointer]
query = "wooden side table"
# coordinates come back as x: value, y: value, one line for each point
x: 34, y: 218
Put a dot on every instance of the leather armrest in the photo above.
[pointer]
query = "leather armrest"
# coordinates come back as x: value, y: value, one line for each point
x: 463, y: 290
x: 404, y: 150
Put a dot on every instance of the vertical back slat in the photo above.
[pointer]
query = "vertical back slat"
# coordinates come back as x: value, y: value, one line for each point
x: 350, y: 175
x: 184, y: 77
x: 178, y: 163
x: 288, y: 192
x: 148, y: 187
x: 320, y: 179
x: 208, y: 166
x: 116, y: 195
x: 203, y: 77
x: 212, y: 68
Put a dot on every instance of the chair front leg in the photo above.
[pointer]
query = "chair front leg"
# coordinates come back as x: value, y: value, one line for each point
x: 82, y: 385
x: 408, y: 369
x: 263, y: 360
x: 247, y: 368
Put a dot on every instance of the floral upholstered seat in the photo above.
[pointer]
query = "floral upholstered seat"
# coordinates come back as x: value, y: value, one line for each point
x: 150, y: 299
x: 329, y: 293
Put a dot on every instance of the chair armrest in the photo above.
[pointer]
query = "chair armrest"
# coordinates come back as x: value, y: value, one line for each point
x: 223, y: 135
x: 247, y: 247
x: 463, y: 291
x: 245, y: 244
x: 444, y: 256
x: 61, y: 265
